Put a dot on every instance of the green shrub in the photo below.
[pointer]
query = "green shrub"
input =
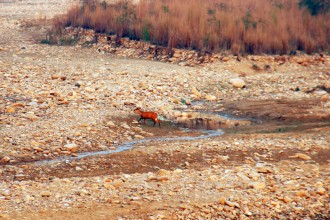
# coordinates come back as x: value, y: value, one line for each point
x: 316, y: 6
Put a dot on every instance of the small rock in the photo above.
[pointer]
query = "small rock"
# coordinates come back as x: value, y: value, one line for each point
x: 32, y: 103
x: 225, y: 59
x: 301, y: 156
x: 262, y: 168
x: 55, y: 76
x: 210, y: 97
x: 79, y: 169
x: 143, y: 86
x: 162, y: 172
x: 107, y: 185
x: 102, y: 147
x: 73, y: 148
x: 162, y: 178
x: 320, y: 191
x: 5, y: 159
x: 125, y: 125
x: 31, y: 117
x: 10, y: 110
x: 19, y: 177
x: 110, y: 124
x: 196, y: 92
x: 232, y: 204
x: 222, y: 200
x: 302, y: 193
x: 136, y: 129
x: 237, y: 82
x: 135, y: 203
x: 247, y: 211
x: 38, y: 149
x: 243, y: 177
x: 320, y: 92
x: 117, y: 183
x: 258, y: 185
x: 89, y: 89
x: 223, y: 158
x: 137, y: 136
x: 287, y: 199
x: 18, y: 104
x: 177, y: 171
x: 45, y: 193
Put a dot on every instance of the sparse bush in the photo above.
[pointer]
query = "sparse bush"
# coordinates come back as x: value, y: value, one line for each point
x: 256, y: 67
x: 251, y: 26
x: 316, y: 6
x: 45, y: 41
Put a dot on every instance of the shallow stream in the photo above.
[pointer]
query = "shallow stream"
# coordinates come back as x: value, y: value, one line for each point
x: 192, y: 126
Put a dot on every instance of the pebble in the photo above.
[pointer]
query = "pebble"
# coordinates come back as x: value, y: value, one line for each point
x: 196, y: 92
x: 73, y: 148
x: 287, y: 199
x: 302, y: 193
x: 5, y: 159
x: 54, y: 76
x: 320, y: 190
x: 45, y: 193
x: 232, y: 204
x: 79, y: 169
x: 210, y: 97
x: 162, y: 172
x: 258, y: 185
x: 137, y: 136
x: 301, y: 156
x: 237, y: 82
x: 222, y: 201
x: 10, y: 110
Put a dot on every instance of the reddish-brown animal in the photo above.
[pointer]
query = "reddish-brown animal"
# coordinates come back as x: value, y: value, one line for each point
x: 147, y: 115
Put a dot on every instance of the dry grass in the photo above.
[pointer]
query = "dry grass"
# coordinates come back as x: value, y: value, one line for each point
x: 250, y: 26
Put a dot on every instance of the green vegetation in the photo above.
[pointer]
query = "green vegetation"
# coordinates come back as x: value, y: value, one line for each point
x: 316, y: 6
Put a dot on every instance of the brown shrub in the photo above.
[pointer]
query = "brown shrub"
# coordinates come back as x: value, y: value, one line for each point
x: 250, y: 26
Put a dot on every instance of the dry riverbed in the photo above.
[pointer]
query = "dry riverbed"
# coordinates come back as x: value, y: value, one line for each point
x: 268, y: 156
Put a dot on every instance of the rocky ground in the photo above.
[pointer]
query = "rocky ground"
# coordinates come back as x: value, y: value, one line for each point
x: 61, y: 101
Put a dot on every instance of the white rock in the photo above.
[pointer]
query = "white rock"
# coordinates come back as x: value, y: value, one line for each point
x: 73, y: 148
x: 258, y: 185
x: 137, y: 136
x: 196, y: 92
x: 210, y: 97
x: 110, y: 124
x: 237, y: 82
x: 79, y: 169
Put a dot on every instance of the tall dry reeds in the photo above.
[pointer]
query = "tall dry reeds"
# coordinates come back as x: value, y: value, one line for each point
x: 250, y: 26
